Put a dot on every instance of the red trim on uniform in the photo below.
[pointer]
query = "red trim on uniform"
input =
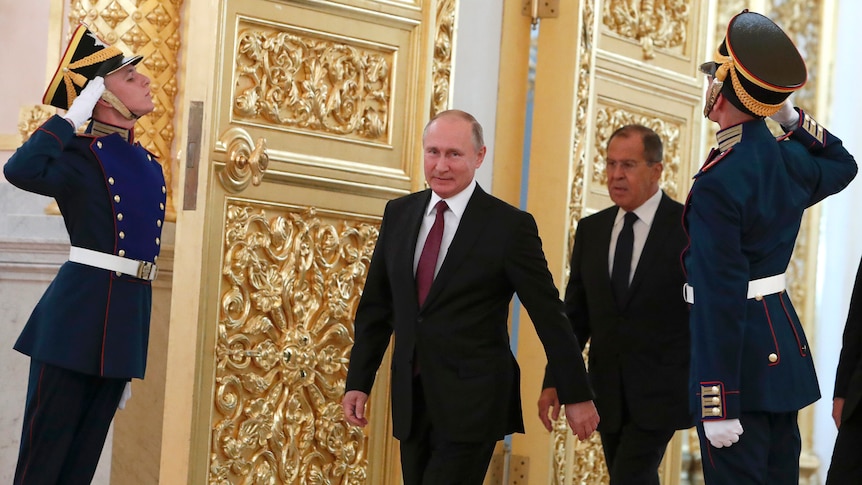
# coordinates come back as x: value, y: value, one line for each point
x: 772, y: 331
x: 792, y: 326
x: 32, y: 419
x: 105, y: 328
x: 59, y: 142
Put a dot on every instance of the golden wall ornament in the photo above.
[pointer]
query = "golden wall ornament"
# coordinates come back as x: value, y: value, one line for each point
x: 313, y: 83
x: 32, y: 117
x: 444, y: 46
x: 574, y: 461
x: 651, y: 23
x: 150, y: 28
x: 291, y: 283
x: 609, y: 119
x: 246, y: 161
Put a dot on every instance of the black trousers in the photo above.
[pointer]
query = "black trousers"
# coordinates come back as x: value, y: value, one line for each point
x: 846, y: 466
x: 66, y: 421
x: 429, y: 459
x: 633, y: 454
x: 767, y: 453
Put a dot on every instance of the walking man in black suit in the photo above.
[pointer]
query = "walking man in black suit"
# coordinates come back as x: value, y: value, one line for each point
x: 624, y: 297
x: 846, y: 409
x: 455, y: 382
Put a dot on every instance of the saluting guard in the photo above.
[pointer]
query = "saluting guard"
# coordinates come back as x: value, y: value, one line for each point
x: 751, y: 365
x: 88, y: 335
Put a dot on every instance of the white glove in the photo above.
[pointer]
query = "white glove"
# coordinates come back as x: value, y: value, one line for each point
x: 82, y: 107
x: 722, y: 433
x: 786, y: 116
x: 127, y: 394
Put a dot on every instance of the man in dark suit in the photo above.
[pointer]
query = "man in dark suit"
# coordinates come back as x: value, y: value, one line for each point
x: 455, y: 382
x: 752, y: 368
x: 88, y: 335
x: 638, y: 330
x: 846, y: 467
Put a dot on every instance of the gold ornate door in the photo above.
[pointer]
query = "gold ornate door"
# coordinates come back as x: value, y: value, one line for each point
x: 300, y: 120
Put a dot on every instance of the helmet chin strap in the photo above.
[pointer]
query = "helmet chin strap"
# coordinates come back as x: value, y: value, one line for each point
x: 118, y: 105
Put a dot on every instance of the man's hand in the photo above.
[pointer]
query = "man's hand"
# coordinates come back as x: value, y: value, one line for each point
x: 583, y: 418
x: 354, y: 407
x: 786, y: 116
x: 837, y: 409
x: 722, y: 433
x: 82, y: 107
x: 548, y: 401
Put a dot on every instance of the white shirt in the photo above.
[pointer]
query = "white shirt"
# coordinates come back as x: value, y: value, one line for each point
x: 646, y: 214
x: 451, y: 218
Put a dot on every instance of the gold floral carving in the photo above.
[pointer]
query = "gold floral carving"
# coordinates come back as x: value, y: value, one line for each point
x: 291, y: 283
x: 32, y: 117
x: 246, y: 161
x: 443, y: 48
x: 609, y: 119
x: 150, y: 28
x: 653, y: 24
x: 313, y: 83
x: 574, y: 461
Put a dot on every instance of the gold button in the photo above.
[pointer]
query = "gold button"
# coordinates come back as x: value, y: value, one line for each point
x: 715, y: 389
x: 164, y: 190
x: 758, y: 297
x: 773, y: 358
x: 120, y: 216
x: 716, y: 400
x: 122, y: 235
x: 118, y: 273
x: 117, y: 199
x: 121, y: 252
x: 155, y: 258
x: 161, y: 206
x: 111, y: 180
x: 159, y: 223
x: 149, y: 157
x: 716, y: 411
x: 99, y: 144
x: 158, y: 241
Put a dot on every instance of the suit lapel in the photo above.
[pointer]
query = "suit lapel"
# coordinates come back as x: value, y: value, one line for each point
x: 412, y: 223
x: 471, y: 226
x: 662, y: 226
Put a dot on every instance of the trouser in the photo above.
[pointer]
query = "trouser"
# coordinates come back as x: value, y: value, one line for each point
x: 767, y: 452
x: 429, y: 459
x: 846, y: 465
x: 66, y: 420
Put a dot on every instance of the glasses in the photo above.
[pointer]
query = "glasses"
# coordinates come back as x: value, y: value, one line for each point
x: 626, y: 165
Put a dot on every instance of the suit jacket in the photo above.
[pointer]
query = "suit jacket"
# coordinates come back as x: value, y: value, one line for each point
x: 112, y: 197
x: 470, y: 378
x: 848, y: 377
x: 639, y: 348
x: 743, y: 213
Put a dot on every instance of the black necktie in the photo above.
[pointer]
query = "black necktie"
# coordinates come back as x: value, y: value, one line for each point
x: 623, y: 258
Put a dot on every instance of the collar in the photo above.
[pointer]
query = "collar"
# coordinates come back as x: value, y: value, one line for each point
x: 457, y: 203
x: 728, y: 137
x: 98, y: 129
x: 646, y: 211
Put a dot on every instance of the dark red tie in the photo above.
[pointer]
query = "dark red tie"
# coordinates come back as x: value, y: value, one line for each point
x: 428, y: 258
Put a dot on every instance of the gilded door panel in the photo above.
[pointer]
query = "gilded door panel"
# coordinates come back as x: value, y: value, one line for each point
x: 312, y: 116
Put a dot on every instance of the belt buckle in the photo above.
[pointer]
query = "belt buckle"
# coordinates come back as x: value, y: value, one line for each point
x: 147, y: 271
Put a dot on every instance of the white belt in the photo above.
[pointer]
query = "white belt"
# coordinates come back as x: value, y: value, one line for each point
x: 132, y: 267
x: 756, y: 288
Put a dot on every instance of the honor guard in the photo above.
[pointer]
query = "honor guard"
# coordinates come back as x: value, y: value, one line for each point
x: 88, y: 335
x: 751, y: 364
